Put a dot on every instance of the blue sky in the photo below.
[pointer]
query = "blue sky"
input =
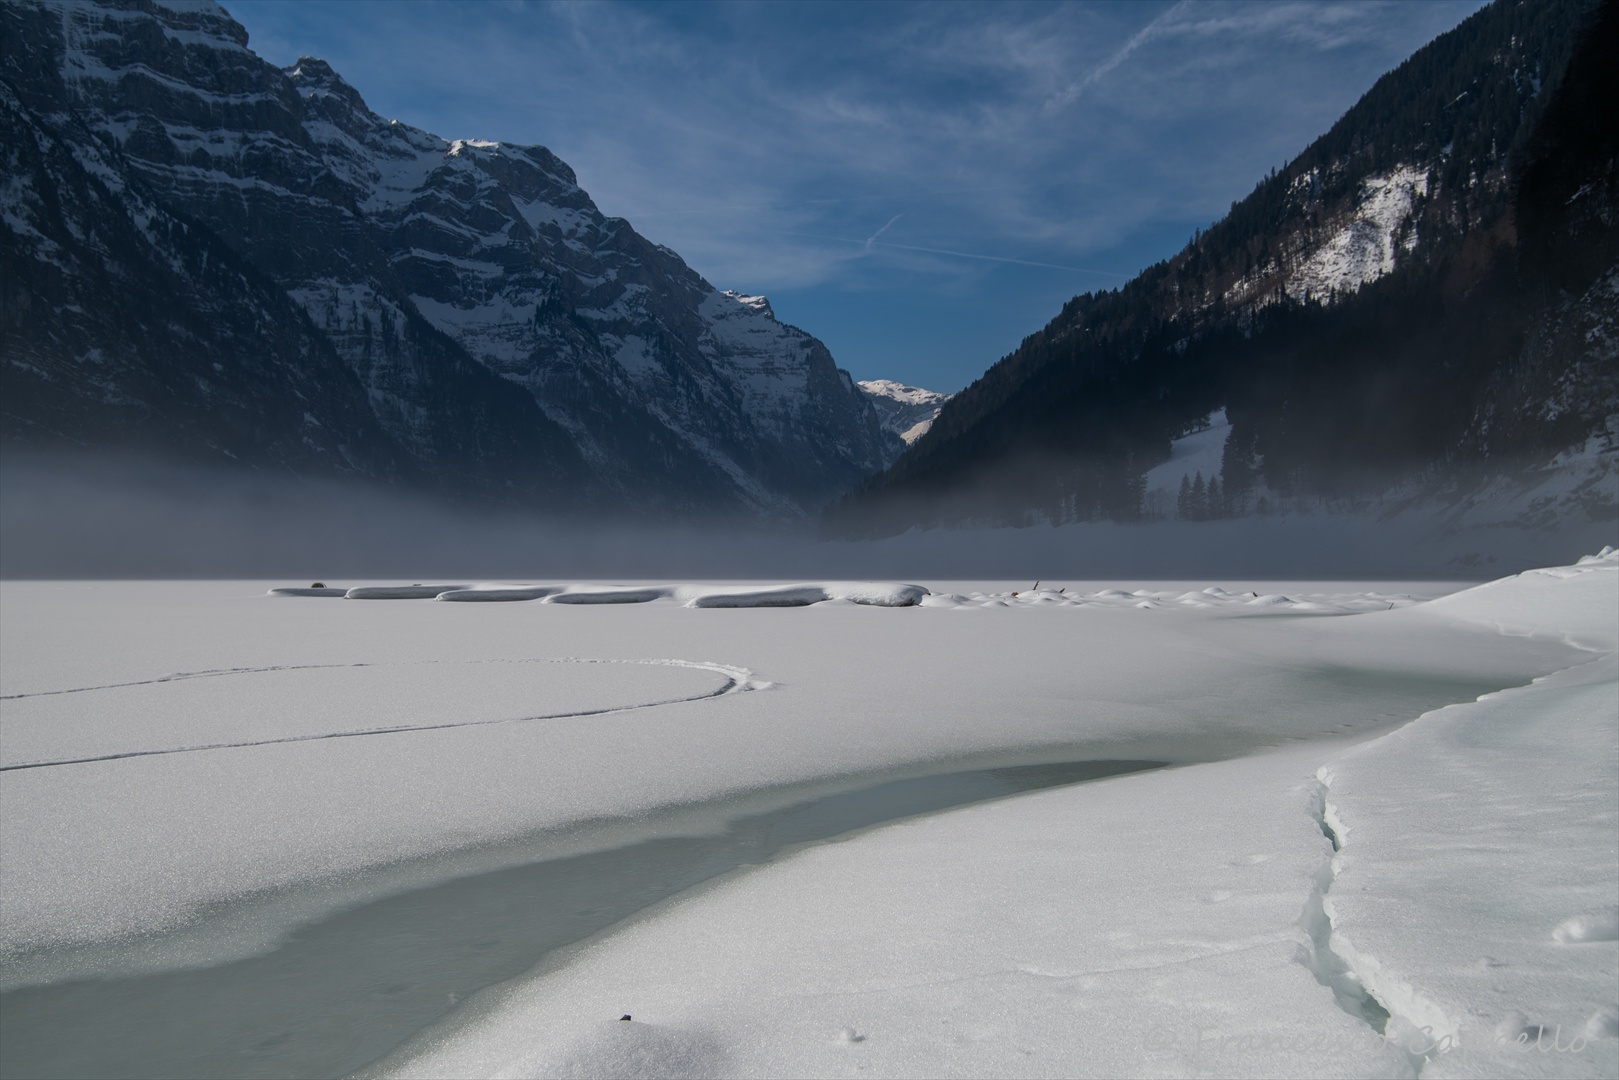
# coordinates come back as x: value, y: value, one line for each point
x: 919, y: 185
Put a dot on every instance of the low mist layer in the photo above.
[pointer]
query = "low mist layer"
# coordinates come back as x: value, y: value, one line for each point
x: 99, y: 518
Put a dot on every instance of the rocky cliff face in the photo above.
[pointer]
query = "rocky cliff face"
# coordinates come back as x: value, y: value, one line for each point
x: 502, y: 332
x: 99, y: 348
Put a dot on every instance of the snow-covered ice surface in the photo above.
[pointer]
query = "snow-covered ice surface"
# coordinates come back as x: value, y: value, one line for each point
x: 1122, y: 928
x: 1465, y: 893
x: 224, y: 848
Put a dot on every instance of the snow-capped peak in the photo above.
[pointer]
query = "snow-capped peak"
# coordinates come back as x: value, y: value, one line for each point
x: 757, y: 303
x: 456, y: 145
x: 898, y: 391
x: 906, y: 411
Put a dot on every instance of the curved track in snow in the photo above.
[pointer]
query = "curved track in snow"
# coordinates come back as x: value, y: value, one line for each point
x: 737, y: 680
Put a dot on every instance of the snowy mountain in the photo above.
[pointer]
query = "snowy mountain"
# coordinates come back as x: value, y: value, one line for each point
x: 451, y: 310
x: 1363, y: 239
x: 1420, y: 304
x: 906, y: 411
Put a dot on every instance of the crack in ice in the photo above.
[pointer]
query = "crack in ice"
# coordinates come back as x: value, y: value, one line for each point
x: 1341, y: 969
x: 737, y: 680
x: 179, y: 676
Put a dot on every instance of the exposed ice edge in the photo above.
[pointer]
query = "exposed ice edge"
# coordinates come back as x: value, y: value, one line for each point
x: 737, y: 680
x: 1409, y: 1022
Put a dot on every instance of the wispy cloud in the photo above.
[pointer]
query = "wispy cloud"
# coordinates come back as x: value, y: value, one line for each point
x: 960, y: 143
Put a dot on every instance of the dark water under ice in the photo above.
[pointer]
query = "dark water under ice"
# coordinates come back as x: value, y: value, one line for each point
x: 339, y: 993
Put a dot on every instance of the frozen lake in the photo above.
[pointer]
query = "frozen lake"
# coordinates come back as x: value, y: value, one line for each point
x: 253, y: 835
x: 348, y: 988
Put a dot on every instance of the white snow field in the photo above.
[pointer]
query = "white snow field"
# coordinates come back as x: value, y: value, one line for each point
x: 1150, y: 829
x: 1199, y: 452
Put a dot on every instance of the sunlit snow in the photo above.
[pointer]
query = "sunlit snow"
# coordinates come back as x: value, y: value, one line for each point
x: 1366, y: 246
x: 1266, y: 828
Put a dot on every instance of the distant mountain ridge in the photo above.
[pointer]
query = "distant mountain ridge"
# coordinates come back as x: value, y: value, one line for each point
x: 1383, y: 311
x: 907, y: 411
x: 213, y: 257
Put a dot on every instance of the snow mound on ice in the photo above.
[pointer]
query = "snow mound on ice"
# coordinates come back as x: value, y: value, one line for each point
x: 499, y: 593
x: 782, y: 596
x: 610, y: 595
x: 893, y: 594
x: 870, y: 593
x: 1213, y: 599
x: 1592, y: 926
x: 1608, y: 556
x: 400, y: 592
x: 1603, y: 1024
x: 875, y: 594
x: 1578, y: 603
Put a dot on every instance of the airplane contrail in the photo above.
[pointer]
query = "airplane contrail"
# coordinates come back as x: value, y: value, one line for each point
x: 998, y: 258
x: 789, y: 204
x: 872, y: 242
x: 1137, y: 39
x: 872, y: 239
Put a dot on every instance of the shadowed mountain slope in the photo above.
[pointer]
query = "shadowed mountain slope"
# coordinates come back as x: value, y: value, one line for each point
x: 461, y: 305
x: 1363, y: 316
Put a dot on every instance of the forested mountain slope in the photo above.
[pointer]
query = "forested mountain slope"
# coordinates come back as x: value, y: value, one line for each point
x: 1388, y: 306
